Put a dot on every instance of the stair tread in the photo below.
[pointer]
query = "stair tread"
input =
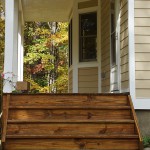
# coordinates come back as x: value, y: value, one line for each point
x: 71, y: 121
x: 69, y: 107
x: 123, y: 136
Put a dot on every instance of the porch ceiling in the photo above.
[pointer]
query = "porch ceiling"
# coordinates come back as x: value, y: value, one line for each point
x: 47, y: 10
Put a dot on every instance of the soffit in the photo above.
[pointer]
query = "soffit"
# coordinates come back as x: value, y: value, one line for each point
x: 47, y: 10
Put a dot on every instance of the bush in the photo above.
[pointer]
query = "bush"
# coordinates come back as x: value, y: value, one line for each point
x: 146, y: 141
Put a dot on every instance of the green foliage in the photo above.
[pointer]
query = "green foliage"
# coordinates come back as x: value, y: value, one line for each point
x: 146, y: 141
x: 2, y: 33
x: 46, y: 53
x: 2, y: 43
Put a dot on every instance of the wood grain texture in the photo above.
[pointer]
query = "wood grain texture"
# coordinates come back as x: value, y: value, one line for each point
x: 6, y: 100
x: 83, y: 114
x: 67, y: 129
x: 70, y: 122
x: 74, y: 100
x: 72, y: 144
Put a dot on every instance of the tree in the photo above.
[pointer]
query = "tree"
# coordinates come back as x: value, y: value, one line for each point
x: 2, y: 41
x: 46, y: 53
x: 2, y: 36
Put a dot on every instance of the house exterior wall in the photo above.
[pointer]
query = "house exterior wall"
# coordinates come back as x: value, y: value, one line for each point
x: 142, y: 48
x: 105, y: 45
x: 88, y: 80
x: 84, y: 77
x: 124, y: 40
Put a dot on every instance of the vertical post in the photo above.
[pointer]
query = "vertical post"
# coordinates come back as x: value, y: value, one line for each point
x: 20, y: 48
x: 75, y: 49
x: 131, y: 49
x: 11, y: 42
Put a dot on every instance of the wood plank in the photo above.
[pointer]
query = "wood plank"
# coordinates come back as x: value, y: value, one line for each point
x: 142, y: 57
x: 144, y: 23
x: 52, y: 122
x: 142, y: 4
x: 142, y: 75
x: 68, y: 107
x: 142, y: 93
x: 143, y: 13
x: 6, y: 100
x: 125, y: 68
x: 72, y: 144
x: 117, y: 136
x: 88, y: 84
x: 88, y: 71
x: 70, y: 129
x: 73, y: 115
x: 124, y: 43
x: 125, y: 85
x: 136, y: 124
x: 76, y: 100
x: 142, y: 31
x: 142, y: 66
x: 142, y: 39
x: 124, y: 121
x: 142, y: 84
x: 144, y: 48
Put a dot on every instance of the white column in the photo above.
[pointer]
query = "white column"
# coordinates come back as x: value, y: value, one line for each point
x: 20, y: 48
x: 75, y: 48
x: 11, y: 45
x: 131, y: 49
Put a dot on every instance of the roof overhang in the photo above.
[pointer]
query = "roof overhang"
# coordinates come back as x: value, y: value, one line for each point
x: 47, y: 10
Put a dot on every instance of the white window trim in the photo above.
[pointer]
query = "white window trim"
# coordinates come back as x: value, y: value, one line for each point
x: 142, y: 104
x: 117, y: 52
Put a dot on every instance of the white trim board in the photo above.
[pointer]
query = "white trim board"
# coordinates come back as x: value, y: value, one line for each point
x: 142, y: 104
x: 131, y: 49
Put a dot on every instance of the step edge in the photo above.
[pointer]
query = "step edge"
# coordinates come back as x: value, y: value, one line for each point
x: 129, y: 121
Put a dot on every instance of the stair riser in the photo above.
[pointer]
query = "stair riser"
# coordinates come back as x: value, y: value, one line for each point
x: 69, y: 129
x: 31, y: 114
x: 81, y: 100
x: 72, y: 144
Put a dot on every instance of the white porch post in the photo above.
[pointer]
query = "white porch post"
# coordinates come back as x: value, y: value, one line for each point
x: 11, y: 45
x: 20, y: 47
x: 131, y: 49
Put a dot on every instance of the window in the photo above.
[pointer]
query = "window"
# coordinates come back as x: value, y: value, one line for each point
x: 70, y: 43
x: 88, y: 37
x: 113, y: 34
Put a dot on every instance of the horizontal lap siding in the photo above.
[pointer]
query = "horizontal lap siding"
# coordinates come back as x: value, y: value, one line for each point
x: 105, y: 45
x: 71, y: 81
x: 142, y: 48
x: 88, y: 80
x: 124, y: 58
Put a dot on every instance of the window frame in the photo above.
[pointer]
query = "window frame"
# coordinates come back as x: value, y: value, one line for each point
x: 81, y: 37
x: 70, y: 43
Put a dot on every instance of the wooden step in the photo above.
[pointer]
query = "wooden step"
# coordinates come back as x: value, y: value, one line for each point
x: 111, y: 113
x: 69, y: 100
x: 70, y: 107
x: 71, y: 121
x: 67, y: 129
x: 73, y: 136
x: 72, y: 144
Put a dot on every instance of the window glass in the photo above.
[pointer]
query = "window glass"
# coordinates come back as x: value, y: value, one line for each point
x: 70, y: 43
x: 113, y: 34
x: 88, y: 37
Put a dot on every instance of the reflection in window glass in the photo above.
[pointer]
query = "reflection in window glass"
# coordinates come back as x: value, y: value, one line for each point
x: 88, y: 37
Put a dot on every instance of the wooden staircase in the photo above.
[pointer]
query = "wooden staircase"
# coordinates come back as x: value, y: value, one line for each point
x: 69, y: 122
